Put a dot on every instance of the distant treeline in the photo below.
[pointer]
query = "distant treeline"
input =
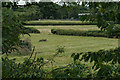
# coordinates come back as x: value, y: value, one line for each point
x: 49, y: 10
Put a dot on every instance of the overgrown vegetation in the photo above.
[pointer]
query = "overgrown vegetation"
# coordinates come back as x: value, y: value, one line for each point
x: 74, y: 70
x: 24, y: 47
x: 106, y: 62
x: 30, y: 68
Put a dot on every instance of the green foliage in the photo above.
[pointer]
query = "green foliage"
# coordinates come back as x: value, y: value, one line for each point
x: 11, y: 29
x: 48, y: 10
x: 57, y: 22
x: 80, y: 33
x: 29, y: 13
x: 106, y: 15
x: 106, y: 62
x: 26, y: 43
x: 60, y: 49
x: 76, y: 70
x: 28, y: 69
x: 113, y: 30
x: 24, y: 47
x: 10, y: 4
x: 31, y: 30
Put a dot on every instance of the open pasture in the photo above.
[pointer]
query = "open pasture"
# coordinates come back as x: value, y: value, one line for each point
x: 72, y: 44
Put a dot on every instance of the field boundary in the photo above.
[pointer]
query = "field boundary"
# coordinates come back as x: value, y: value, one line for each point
x: 28, y: 24
x: 82, y: 33
x: 58, y: 22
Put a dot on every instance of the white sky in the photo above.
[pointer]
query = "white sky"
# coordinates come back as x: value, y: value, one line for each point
x: 22, y: 2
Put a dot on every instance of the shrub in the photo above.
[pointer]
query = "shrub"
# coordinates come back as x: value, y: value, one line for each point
x: 114, y: 31
x: 32, y: 67
x: 79, y: 33
x: 31, y: 30
x: 28, y: 69
x: 75, y: 70
x: 106, y: 62
x: 23, y: 47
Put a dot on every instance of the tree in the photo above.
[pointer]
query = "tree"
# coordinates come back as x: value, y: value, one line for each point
x: 11, y: 30
x: 48, y: 9
x: 31, y: 12
x: 106, y: 15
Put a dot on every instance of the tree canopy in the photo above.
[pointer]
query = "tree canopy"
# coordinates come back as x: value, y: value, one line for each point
x: 11, y: 30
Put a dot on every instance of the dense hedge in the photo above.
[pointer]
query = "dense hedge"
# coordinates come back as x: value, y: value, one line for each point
x: 31, y: 30
x: 79, y: 33
x: 53, y: 22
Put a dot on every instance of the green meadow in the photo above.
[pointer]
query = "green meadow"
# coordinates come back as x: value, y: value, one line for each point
x: 72, y: 44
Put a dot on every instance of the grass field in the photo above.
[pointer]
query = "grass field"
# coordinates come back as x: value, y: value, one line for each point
x: 47, y: 29
x: 72, y: 44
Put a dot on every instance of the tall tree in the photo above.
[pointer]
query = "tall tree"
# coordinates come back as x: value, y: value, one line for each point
x: 11, y: 30
x: 107, y: 16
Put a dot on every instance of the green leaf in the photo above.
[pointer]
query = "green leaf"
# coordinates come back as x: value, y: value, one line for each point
x: 76, y: 57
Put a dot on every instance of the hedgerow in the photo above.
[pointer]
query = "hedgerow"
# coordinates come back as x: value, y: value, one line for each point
x: 81, y: 33
x: 57, y: 23
x: 31, y: 30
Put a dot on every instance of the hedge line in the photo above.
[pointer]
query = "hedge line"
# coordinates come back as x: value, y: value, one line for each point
x: 31, y: 30
x: 80, y: 33
x: 57, y: 23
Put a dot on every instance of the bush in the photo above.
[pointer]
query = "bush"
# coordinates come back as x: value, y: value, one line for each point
x: 114, y: 31
x: 31, y: 30
x: 75, y: 70
x: 27, y: 69
x: 106, y: 62
x: 79, y: 33
x: 24, y: 47
x: 32, y: 67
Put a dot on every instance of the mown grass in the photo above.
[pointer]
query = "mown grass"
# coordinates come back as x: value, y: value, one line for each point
x: 72, y: 44
x: 47, y: 29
